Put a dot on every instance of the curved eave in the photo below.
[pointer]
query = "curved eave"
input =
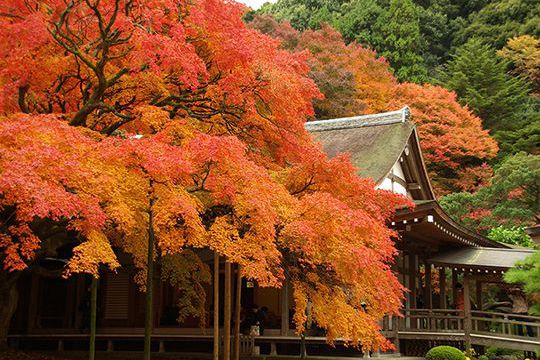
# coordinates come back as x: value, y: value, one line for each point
x: 431, y: 221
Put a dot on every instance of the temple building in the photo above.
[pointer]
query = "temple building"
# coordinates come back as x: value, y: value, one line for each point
x: 432, y: 246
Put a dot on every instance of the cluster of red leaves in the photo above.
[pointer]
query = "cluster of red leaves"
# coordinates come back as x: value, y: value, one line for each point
x: 221, y: 159
x: 454, y: 143
x: 354, y: 81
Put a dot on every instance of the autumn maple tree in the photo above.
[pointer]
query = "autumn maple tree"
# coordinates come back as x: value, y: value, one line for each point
x: 454, y: 144
x: 355, y: 80
x: 159, y: 127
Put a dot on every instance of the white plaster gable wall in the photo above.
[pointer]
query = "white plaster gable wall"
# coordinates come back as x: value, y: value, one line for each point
x: 388, y: 184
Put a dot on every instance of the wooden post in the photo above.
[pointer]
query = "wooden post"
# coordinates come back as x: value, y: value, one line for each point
x: 33, y: 306
x: 428, y: 298
x: 285, y: 308
x: 93, y: 313
x: 227, y: 313
x: 216, y: 307
x: 413, y: 269
x: 454, y: 290
x: 442, y: 287
x: 149, y: 310
x: 237, y: 309
x: 467, y: 324
x: 479, y: 299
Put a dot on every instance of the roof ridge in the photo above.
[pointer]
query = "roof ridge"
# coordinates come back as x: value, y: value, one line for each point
x: 391, y: 117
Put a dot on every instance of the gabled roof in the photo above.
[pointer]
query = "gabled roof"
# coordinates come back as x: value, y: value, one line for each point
x: 375, y: 143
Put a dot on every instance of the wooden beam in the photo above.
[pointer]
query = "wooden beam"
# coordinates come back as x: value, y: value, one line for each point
x: 216, y: 307
x: 227, y: 313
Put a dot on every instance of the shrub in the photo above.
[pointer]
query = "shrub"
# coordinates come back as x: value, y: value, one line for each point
x: 445, y: 353
x: 494, y: 353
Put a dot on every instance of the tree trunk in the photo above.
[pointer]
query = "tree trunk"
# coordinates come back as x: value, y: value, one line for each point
x: 216, y: 307
x: 8, y: 303
x: 93, y: 315
x: 149, y: 285
x: 227, y: 315
x: 237, y: 308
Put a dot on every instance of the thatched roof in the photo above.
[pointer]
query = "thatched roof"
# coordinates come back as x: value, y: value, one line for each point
x: 375, y: 143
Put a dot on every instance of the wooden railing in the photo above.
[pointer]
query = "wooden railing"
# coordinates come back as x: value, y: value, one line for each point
x: 440, y: 320
x: 506, y: 324
x: 481, y: 327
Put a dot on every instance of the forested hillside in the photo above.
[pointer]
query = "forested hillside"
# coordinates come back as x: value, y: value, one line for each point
x: 469, y: 70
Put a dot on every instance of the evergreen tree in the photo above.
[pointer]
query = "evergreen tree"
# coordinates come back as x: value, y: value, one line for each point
x: 402, y: 41
x: 513, y: 199
x: 527, y: 273
x: 500, y: 20
x: 481, y: 80
x: 525, y: 138
x: 359, y: 22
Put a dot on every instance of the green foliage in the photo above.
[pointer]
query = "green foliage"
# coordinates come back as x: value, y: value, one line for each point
x: 360, y: 21
x: 500, y: 20
x: 402, y: 42
x: 303, y: 14
x: 495, y: 353
x: 444, y: 353
x: 511, y: 200
x: 527, y: 272
x: 443, y: 24
x: 393, y: 28
x: 511, y: 235
x: 523, y: 139
x: 482, y: 82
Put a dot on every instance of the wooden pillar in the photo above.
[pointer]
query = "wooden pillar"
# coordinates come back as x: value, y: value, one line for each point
x: 454, y: 290
x: 71, y: 302
x: 442, y: 288
x: 93, y: 315
x: 413, y: 270
x: 428, y: 296
x: 407, y: 283
x: 227, y: 313
x: 479, y: 299
x: 285, y: 308
x: 33, y: 306
x: 216, y: 307
x: 237, y: 309
x: 467, y: 323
